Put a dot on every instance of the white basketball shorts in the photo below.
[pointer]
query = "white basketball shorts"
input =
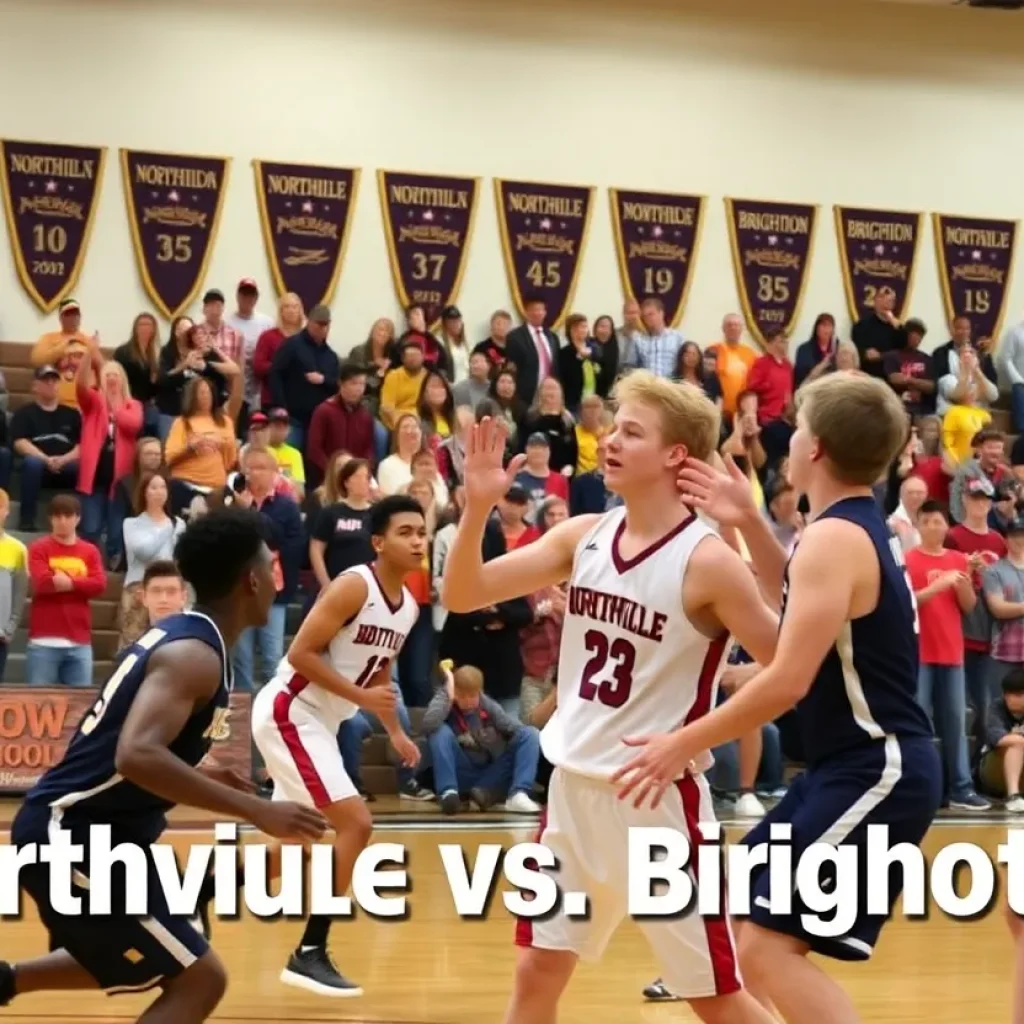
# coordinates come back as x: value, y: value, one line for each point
x: 587, y: 827
x: 300, y: 751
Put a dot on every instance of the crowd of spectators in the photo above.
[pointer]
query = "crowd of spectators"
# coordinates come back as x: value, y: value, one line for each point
x: 264, y: 411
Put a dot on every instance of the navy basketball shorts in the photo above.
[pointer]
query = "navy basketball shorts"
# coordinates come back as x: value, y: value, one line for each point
x: 897, y: 783
x: 123, y: 952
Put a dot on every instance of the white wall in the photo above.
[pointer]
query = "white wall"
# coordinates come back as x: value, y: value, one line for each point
x: 823, y: 101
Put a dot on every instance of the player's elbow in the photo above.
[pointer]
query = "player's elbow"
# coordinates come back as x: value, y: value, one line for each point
x: 130, y: 761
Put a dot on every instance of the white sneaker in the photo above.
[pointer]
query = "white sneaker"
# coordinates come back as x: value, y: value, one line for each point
x: 1015, y: 805
x: 748, y: 806
x: 520, y: 803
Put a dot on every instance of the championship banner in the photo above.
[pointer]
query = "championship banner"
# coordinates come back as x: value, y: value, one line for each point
x: 771, y: 251
x: 656, y: 238
x: 50, y: 197
x: 975, y: 265
x: 543, y: 232
x: 428, y: 221
x: 37, y: 723
x: 877, y: 249
x: 304, y: 211
x: 174, y: 206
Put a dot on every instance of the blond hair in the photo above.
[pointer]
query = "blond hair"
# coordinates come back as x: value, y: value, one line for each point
x: 113, y: 366
x: 688, y: 416
x: 860, y: 423
x: 468, y: 680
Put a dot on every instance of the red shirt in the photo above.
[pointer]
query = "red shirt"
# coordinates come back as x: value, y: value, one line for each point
x: 63, y: 613
x: 929, y: 469
x: 941, y: 630
x: 992, y: 546
x: 772, y: 379
x: 263, y: 358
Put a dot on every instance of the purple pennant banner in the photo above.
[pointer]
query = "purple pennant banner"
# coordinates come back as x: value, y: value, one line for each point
x: 305, y: 216
x: 771, y: 251
x: 877, y: 249
x: 428, y: 221
x: 50, y: 197
x: 656, y: 237
x: 543, y: 232
x: 975, y: 265
x: 174, y: 205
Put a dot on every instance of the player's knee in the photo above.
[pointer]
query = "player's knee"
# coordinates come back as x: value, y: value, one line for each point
x: 544, y: 972
x: 753, y: 952
x: 351, y: 820
x: 204, y: 982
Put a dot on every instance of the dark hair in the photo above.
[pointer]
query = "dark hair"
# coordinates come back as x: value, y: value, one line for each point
x: 983, y: 436
x: 487, y: 407
x: 217, y: 549
x: 348, y: 471
x: 603, y: 316
x: 822, y: 318
x: 571, y: 321
x: 773, y: 332
x: 931, y: 506
x: 160, y: 570
x: 698, y: 370
x: 447, y: 411
x: 350, y: 370
x: 387, y: 508
x: 534, y: 300
x: 1013, y: 681
x: 64, y: 505
x: 190, y: 402
x: 139, y: 494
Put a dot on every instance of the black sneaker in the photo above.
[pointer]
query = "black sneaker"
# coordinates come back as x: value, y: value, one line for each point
x: 657, y: 993
x: 314, y: 971
x: 450, y: 802
x: 412, y: 790
x: 366, y: 795
x: 969, y: 802
x: 6, y: 983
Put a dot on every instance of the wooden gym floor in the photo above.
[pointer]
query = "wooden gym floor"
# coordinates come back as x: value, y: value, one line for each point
x: 437, y: 969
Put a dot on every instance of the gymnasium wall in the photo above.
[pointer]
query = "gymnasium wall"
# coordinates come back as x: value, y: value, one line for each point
x: 824, y: 101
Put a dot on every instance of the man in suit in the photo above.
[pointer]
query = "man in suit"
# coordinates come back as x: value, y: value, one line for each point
x: 533, y: 349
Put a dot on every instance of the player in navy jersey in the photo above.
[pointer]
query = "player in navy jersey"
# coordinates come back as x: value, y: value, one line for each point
x: 133, y: 757
x: 847, y: 659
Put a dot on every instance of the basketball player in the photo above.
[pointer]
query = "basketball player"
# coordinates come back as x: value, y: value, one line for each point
x: 653, y: 596
x: 133, y: 758
x: 340, y: 661
x: 847, y: 659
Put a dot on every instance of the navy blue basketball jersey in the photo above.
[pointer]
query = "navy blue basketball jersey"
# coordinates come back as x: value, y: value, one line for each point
x: 84, y: 787
x: 866, y: 688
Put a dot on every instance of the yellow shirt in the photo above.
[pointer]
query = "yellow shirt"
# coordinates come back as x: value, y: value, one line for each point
x: 207, y: 467
x: 289, y: 461
x: 399, y: 394
x: 586, y: 449
x: 959, y: 426
x: 65, y: 352
x: 734, y: 363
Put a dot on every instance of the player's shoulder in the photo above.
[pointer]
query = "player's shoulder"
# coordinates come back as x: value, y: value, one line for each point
x: 832, y: 542
x: 568, y: 534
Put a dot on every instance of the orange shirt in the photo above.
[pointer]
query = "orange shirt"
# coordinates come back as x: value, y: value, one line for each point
x: 734, y: 363
x: 65, y: 352
x: 418, y: 583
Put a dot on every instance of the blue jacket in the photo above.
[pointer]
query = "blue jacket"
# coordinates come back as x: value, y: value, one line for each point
x: 300, y: 355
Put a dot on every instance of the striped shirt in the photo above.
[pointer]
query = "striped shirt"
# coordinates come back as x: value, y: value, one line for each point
x: 659, y: 353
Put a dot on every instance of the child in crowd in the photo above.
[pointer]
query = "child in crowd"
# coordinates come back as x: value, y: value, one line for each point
x: 1002, y: 757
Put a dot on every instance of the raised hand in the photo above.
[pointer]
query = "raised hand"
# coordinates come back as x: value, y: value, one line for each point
x: 725, y: 497
x: 487, y: 479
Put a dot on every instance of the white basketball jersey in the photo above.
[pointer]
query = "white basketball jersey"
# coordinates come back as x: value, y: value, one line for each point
x: 364, y: 646
x: 631, y: 663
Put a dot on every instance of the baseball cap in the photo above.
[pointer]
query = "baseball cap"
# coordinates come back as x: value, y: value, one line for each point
x: 47, y: 371
x: 213, y: 295
x: 279, y: 416
x: 248, y: 284
x: 517, y: 495
x: 538, y: 438
x: 68, y: 306
x: 320, y: 314
x: 258, y: 420
x: 979, y: 488
x: 450, y: 313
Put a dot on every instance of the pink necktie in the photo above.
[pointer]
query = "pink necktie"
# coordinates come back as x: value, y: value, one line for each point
x: 542, y: 354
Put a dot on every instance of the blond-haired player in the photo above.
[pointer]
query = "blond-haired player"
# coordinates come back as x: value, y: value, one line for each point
x: 654, y: 594
x: 847, y: 658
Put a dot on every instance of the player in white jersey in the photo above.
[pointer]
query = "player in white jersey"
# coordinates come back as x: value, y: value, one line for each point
x: 653, y: 595
x: 340, y: 661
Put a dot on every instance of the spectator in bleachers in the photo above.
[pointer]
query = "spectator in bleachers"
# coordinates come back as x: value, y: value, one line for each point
x: 847, y: 358
x: 626, y: 335
x: 289, y: 459
x: 983, y: 547
x: 13, y: 582
x: 657, y: 347
x: 65, y: 574
x: 580, y: 370
x: 201, y: 448
x: 416, y: 331
x: 744, y: 440
x: 304, y: 373
x: 447, y: 524
x: 477, y: 748
x: 494, y: 345
x: 423, y: 492
x: 376, y: 355
x: 46, y: 434
x: 733, y: 362
x: 291, y: 318
x: 589, y: 496
x: 149, y: 536
x: 512, y: 512
x: 340, y: 538
x: 400, y: 392
x: 1005, y: 506
x: 284, y: 527
x: 960, y: 425
x: 589, y: 431
x: 607, y: 343
x: 961, y: 337
x: 182, y: 360
x: 436, y: 409
x: 691, y: 369
x: 111, y: 423
x: 552, y: 419
x: 1003, y: 585
x: 878, y: 333
x: 1002, y: 761
x: 453, y: 341
x: 416, y: 658
x: 342, y: 422
x: 537, y: 478
x: 213, y: 331
x: 786, y: 521
x: 63, y: 350
x: 504, y: 393
x: 451, y: 454
x: 816, y: 356
x: 140, y: 358
x: 477, y: 384
x: 1011, y: 371
x: 425, y: 470
x: 533, y: 348
x: 987, y: 463
x: 250, y: 324
x: 966, y: 382
x: 771, y: 379
x: 926, y: 458
x: 395, y: 472
x: 944, y: 591
x: 910, y: 371
x: 903, y: 522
